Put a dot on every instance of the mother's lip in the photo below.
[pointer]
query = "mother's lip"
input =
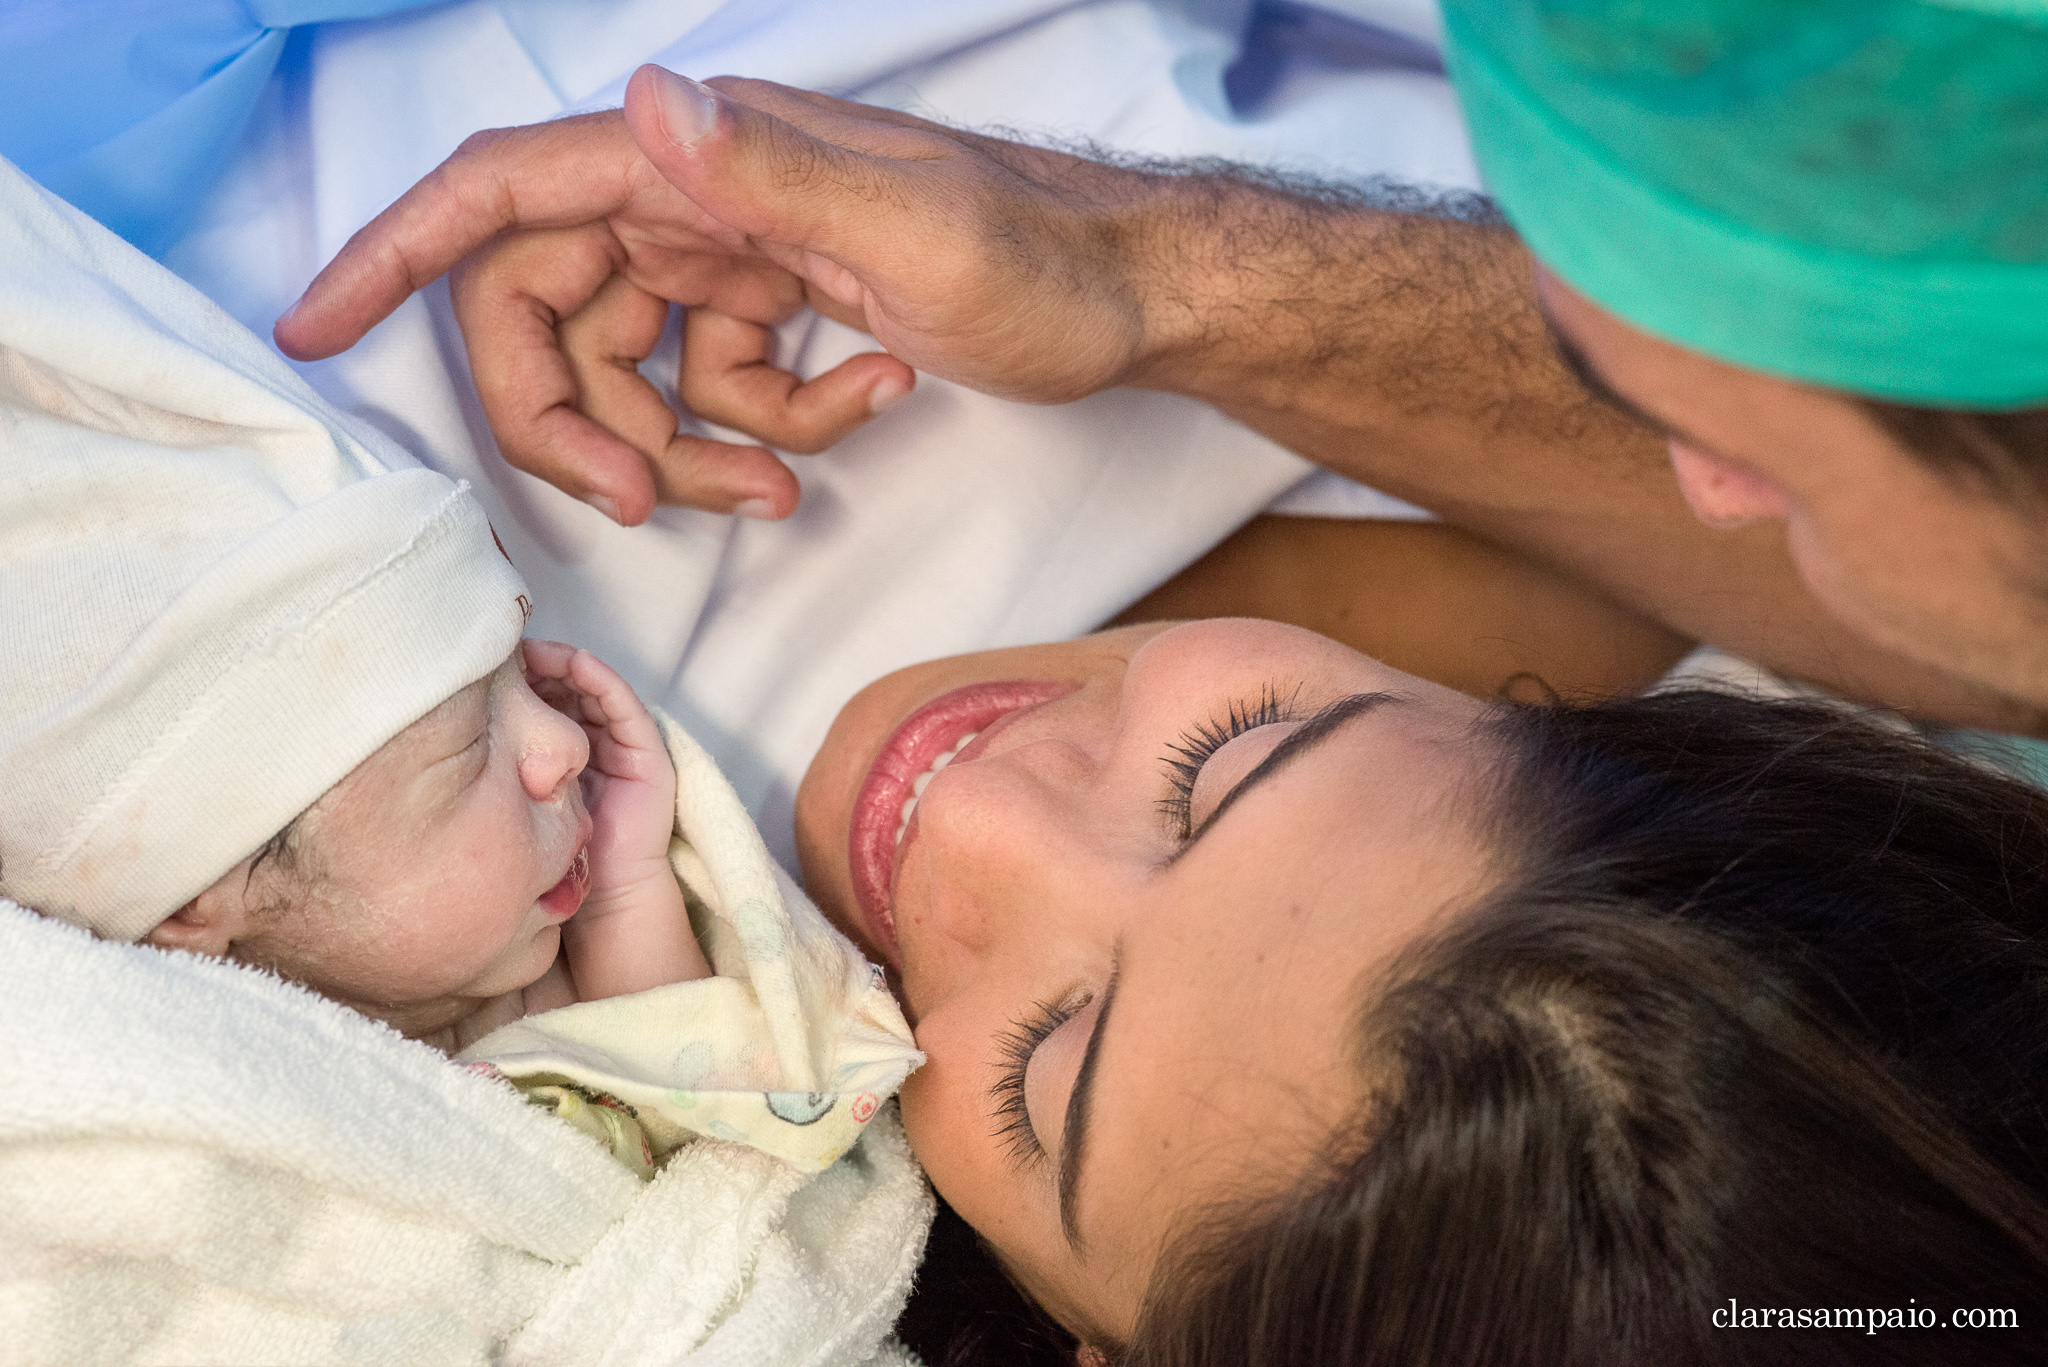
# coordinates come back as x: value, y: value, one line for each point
x: 926, y: 734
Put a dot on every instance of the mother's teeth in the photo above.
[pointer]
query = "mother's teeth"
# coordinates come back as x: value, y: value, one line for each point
x: 918, y: 784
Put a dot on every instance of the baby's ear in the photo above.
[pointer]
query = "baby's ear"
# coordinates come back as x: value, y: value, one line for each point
x: 210, y: 922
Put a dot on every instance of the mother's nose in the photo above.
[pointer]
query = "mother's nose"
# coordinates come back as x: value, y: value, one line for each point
x: 999, y: 845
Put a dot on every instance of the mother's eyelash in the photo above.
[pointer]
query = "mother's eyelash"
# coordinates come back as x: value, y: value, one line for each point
x: 1014, y: 1047
x: 1185, y: 757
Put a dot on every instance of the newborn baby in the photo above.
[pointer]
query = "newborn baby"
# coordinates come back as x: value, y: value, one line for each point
x: 505, y: 854
x: 266, y: 700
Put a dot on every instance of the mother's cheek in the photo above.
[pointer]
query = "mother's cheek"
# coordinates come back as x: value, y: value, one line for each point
x: 947, y: 1115
x: 939, y: 1119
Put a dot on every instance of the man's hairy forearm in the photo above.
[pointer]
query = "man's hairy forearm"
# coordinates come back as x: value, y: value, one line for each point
x: 1396, y: 334
x: 1403, y: 347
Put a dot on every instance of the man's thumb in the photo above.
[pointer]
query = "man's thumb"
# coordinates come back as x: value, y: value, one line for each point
x: 750, y: 170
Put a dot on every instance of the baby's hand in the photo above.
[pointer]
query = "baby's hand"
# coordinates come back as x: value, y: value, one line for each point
x: 633, y: 930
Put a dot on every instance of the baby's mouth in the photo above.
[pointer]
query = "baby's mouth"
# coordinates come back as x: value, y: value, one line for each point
x: 562, y: 900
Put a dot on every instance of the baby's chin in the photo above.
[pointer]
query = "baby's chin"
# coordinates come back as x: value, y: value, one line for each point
x: 420, y: 1009
x: 524, y: 962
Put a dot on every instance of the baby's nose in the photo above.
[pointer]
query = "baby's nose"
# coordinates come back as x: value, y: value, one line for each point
x: 555, y: 753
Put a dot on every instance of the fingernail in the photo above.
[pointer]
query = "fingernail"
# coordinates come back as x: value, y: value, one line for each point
x: 887, y: 393
x: 688, y: 110
x: 759, y: 509
x: 608, y: 506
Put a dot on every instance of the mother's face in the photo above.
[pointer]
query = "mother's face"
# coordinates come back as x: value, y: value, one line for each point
x: 1130, y: 920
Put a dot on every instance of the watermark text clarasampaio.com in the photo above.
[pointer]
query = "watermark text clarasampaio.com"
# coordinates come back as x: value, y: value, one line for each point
x: 1869, y: 1318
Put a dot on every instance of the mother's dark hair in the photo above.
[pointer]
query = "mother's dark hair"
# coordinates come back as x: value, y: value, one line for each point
x: 1758, y: 1015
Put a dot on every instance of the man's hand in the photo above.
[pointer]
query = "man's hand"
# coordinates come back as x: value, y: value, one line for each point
x: 1010, y: 269
x: 633, y: 929
x: 557, y: 321
x: 583, y: 247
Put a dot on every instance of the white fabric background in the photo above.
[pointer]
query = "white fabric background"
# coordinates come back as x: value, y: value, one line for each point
x: 956, y: 522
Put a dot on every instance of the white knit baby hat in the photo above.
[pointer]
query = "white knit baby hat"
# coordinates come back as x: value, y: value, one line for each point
x: 218, y: 594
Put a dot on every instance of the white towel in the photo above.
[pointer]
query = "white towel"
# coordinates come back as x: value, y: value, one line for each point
x: 262, y: 1176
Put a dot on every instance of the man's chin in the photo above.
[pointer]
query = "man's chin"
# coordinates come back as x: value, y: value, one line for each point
x: 2012, y: 664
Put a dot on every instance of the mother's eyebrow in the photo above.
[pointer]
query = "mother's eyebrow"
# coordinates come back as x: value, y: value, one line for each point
x: 1310, y: 734
x: 1076, y: 1128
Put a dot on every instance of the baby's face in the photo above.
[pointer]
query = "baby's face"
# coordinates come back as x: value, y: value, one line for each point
x: 442, y: 868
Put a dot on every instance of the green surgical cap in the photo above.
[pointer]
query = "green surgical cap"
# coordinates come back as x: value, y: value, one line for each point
x: 1853, y: 193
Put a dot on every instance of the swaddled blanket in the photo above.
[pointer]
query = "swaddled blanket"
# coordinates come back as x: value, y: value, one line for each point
x: 207, y: 1164
x: 204, y: 1164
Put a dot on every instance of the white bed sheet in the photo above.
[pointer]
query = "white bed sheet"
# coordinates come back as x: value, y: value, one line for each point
x: 955, y: 522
